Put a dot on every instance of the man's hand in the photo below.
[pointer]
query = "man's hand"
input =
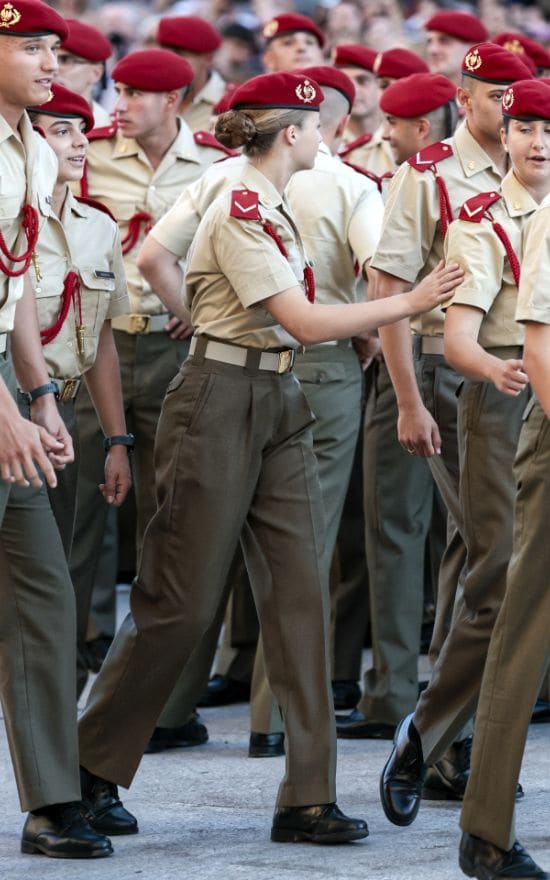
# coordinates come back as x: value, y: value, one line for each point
x: 24, y: 447
x: 44, y: 413
x: 418, y: 432
x: 366, y: 348
x: 177, y: 329
x: 118, y: 476
x: 510, y: 377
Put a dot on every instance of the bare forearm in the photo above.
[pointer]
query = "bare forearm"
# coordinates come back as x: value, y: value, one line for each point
x: 536, y: 359
x: 163, y: 272
x: 26, y: 347
x: 469, y: 358
x: 104, y: 386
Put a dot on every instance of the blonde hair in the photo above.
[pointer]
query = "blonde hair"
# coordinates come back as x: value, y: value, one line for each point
x: 255, y: 130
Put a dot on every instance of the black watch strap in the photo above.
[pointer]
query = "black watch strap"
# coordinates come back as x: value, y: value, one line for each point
x: 41, y: 390
x: 119, y: 440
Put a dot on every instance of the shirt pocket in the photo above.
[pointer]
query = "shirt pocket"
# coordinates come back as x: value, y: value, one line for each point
x: 96, y: 293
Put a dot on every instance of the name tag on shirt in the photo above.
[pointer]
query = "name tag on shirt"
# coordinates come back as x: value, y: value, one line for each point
x: 99, y: 274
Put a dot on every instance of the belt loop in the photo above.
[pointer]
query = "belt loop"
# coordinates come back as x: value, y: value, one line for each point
x: 252, y: 365
x: 200, y: 349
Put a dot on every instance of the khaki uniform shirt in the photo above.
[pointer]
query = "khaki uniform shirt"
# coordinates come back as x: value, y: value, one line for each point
x: 121, y: 176
x: 198, y: 115
x: 534, y: 291
x: 488, y: 280
x: 234, y: 264
x: 28, y: 172
x: 411, y: 243
x: 376, y: 156
x: 339, y: 215
x: 84, y: 239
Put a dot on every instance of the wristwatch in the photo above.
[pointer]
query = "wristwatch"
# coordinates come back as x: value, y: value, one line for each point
x: 119, y: 440
x: 41, y: 390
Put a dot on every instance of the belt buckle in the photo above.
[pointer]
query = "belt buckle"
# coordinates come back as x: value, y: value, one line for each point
x: 286, y: 360
x: 69, y: 389
x: 139, y: 323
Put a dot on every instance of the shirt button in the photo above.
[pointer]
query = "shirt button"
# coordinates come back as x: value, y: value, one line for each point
x: 471, y: 165
x: 517, y: 206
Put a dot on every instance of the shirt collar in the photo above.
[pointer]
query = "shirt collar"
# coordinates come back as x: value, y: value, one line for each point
x: 255, y: 181
x: 471, y: 155
x: 518, y: 200
x: 183, y: 147
x: 212, y: 90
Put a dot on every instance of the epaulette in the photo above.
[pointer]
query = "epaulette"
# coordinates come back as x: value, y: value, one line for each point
x: 474, y: 209
x: 245, y: 205
x: 360, y: 141
x: 93, y: 203
x: 207, y: 139
x: 106, y: 132
x: 430, y: 156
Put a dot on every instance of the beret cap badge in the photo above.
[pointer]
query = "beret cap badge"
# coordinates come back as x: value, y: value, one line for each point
x: 514, y: 46
x: 473, y: 60
x: 306, y: 92
x: 508, y: 99
x: 270, y: 29
x: 9, y: 16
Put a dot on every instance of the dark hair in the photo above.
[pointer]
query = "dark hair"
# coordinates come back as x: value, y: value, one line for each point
x: 255, y: 130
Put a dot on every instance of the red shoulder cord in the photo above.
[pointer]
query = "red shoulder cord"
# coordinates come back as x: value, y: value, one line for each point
x: 71, y: 294
x: 445, y: 210
x: 30, y: 228
x: 510, y: 252
x: 309, y: 278
x: 134, y: 224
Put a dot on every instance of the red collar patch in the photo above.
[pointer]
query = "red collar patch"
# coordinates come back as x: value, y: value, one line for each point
x: 245, y: 204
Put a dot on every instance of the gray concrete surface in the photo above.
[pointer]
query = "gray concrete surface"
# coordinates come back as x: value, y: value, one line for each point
x: 206, y: 812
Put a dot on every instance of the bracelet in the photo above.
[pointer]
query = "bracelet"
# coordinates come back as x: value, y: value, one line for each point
x: 119, y: 440
x: 41, y: 390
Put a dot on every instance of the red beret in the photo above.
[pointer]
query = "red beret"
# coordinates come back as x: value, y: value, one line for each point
x: 30, y: 18
x: 289, y: 23
x: 223, y: 104
x: 153, y: 70
x: 524, y: 46
x: 460, y: 25
x: 354, y: 55
x: 397, y: 63
x: 86, y: 42
x: 289, y: 91
x: 493, y: 64
x: 417, y: 94
x: 188, y: 32
x: 328, y: 76
x: 527, y: 99
x: 64, y: 104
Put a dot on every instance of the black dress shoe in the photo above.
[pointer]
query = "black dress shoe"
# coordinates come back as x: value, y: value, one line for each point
x: 541, y: 712
x: 266, y: 745
x: 403, y: 776
x: 483, y: 860
x: 192, y: 733
x: 357, y: 726
x: 447, y: 778
x: 61, y: 831
x: 319, y: 824
x: 221, y: 691
x: 95, y: 652
x: 345, y: 693
x: 104, y: 809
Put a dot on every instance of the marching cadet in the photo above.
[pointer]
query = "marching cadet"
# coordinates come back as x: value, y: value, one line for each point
x: 82, y: 57
x: 449, y: 35
x: 137, y: 167
x: 532, y: 52
x: 519, y: 651
x: 196, y: 40
x: 37, y: 643
x: 395, y: 64
x: 79, y: 284
x: 292, y: 41
x: 235, y: 415
x: 425, y: 195
x: 398, y: 488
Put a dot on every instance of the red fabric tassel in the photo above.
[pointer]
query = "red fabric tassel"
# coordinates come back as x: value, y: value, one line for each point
x: 30, y: 228
x: 445, y: 210
x: 510, y: 252
x: 71, y: 292
x: 134, y: 224
x: 309, y: 279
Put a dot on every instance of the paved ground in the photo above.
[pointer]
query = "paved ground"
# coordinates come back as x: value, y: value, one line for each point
x: 205, y: 813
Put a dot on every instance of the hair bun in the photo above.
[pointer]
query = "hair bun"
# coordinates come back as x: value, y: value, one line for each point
x: 235, y: 129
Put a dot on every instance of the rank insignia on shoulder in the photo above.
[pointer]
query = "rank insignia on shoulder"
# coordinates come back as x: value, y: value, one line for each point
x: 106, y: 131
x: 430, y: 156
x: 474, y: 209
x: 207, y: 139
x: 245, y: 204
x: 360, y: 141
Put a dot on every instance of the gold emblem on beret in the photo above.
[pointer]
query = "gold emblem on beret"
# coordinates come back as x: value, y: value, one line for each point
x: 514, y: 46
x: 377, y: 62
x: 270, y: 29
x: 306, y: 92
x: 473, y: 60
x: 9, y: 16
x: 508, y: 99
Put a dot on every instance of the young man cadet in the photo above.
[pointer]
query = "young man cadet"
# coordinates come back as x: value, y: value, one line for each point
x: 37, y: 644
x: 450, y: 34
x: 82, y: 58
x: 292, y: 41
x: 425, y: 195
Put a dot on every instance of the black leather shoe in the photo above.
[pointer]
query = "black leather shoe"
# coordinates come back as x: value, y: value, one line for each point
x: 104, y: 809
x: 221, y: 691
x: 61, y: 831
x: 345, y: 693
x: 266, y: 745
x: 446, y: 780
x: 320, y: 824
x: 541, y: 712
x: 403, y: 776
x: 357, y: 726
x: 192, y: 733
x: 483, y: 860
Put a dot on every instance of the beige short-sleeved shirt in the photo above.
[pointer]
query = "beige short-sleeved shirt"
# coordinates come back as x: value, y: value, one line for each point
x: 28, y: 171
x: 121, y: 176
x: 534, y: 290
x: 411, y: 243
x: 84, y: 239
x: 339, y: 215
x: 488, y: 280
x: 198, y: 115
x: 234, y: 264
x: 376, y: 155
